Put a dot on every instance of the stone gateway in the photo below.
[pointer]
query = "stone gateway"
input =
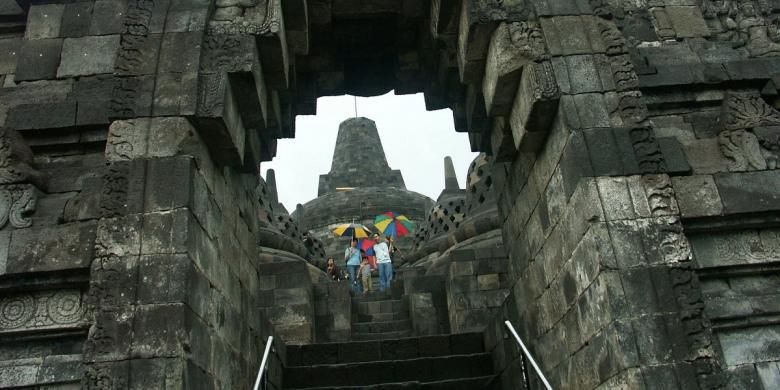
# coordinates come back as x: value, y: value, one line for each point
x: 624, y: 214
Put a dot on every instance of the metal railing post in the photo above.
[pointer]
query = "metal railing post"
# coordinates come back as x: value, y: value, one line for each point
x: 528, y: 355
x: 263, y: 363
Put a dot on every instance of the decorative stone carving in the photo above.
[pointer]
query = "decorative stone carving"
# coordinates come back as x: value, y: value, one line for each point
x: 750, y: 139
x: 613, y: 38
x: 743, y: 23
x: 660, y: 195
x: 17, y: 202
x: 623, y: 72
x: 742, y: 110
x: 113, y: 201
x: 528, y: 39
x: 138, y: 17
x: 742, y: 149
x: 16, y: 160
x: 42, y: 310
x: 227, y: 52
x: 258, y: 17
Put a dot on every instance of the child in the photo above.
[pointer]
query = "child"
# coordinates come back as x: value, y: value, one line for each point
x: 365, y: 274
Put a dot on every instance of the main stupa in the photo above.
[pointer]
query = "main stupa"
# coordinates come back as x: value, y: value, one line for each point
x: 359, y: 186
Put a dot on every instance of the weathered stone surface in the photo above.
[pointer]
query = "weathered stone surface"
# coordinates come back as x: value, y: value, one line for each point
x: 88, y: 55
x: 42, y: 116
x: 9, y: 48
x: 44, y: 21
x: 748, y: 192
x: 748, y: 345
x: 51, y: 248
x: 107, y: 17
x: 76, y: 20
x: 697, y: 195
x: 38, y: 59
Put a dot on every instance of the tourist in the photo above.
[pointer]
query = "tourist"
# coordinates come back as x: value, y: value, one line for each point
x: 352, y: 257
x: 382, y: 251
x: 365, y: 275
x: 333, y: 271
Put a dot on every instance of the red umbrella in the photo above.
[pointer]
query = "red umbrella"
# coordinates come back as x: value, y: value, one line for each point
x: 367, y: 245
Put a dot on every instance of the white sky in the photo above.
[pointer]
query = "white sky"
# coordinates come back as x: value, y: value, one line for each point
x: 415, y: 141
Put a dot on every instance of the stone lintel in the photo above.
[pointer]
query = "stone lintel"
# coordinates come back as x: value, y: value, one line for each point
x: 534, y: 107
x: 218, y: 120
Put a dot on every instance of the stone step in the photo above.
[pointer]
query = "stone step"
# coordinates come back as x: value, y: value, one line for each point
x: 369, y: 351
x: 380, y: 317
x: 480, y: 382
x: 396, y: 291
x: 383, y: 306
x: 381, y: 336
x: 426, y: 369
x: 381, y: 327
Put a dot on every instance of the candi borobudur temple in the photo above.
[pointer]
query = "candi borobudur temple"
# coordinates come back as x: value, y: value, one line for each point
x: 624, y: 214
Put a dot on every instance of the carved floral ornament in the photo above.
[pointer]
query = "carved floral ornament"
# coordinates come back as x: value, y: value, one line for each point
x: 42, y: 310
x: 750, y: 138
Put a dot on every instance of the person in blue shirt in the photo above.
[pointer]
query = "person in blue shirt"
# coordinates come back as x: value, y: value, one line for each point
x: 352, y: 256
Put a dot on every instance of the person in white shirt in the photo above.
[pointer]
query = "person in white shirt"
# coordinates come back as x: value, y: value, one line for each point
x: 384, y: 263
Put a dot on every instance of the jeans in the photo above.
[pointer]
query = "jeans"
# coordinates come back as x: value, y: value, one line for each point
x: 354, y: 279
x: 385, y: 275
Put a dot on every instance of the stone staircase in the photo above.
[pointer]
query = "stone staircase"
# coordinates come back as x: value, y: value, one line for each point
x: 449, y: 362
x: 381, y: 315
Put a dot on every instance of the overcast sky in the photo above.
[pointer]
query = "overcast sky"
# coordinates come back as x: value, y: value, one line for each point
x: 415, y: 141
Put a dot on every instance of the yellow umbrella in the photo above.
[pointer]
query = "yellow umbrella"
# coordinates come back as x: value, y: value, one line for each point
x: 354, y: 230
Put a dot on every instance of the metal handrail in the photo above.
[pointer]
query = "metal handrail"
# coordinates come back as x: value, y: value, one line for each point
x: 528, y: 355
x: 264, y: 363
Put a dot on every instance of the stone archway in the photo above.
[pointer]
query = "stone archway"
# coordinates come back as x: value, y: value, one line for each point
x: 132, y: 133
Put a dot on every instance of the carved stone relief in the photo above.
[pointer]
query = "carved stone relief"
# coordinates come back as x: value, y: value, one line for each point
x: 17, y: 203
x: 750, y: 138
x: 16, y: 160
x: 745, y: 23
x: 251, y: 17
x: 528, y: 39
x: 42, y: 310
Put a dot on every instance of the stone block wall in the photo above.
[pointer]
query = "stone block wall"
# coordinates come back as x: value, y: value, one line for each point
x: 197, y: 309
x: 476, y: 285
x: 333, y: 309
x: 286, y: 298
x: 427, y: 303
x: 602, y: 270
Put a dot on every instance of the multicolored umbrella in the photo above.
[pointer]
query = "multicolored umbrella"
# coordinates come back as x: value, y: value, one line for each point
x: 355, y: 230
x: 394, y: 225
x: 367, y: 245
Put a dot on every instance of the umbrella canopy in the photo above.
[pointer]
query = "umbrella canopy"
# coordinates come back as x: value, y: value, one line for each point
x: 394, y: 225
x: 355, y: 230
x: 368, y: 246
